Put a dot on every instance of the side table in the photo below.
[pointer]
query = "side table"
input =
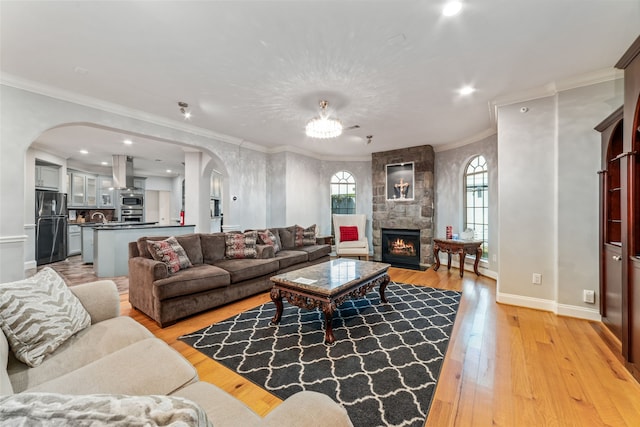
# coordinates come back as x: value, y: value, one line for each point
x: 460, y: 247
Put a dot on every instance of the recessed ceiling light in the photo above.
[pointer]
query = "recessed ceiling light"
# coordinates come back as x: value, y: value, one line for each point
x: 452, y: 8
x: 128, y: 141
x: 466, y: 90
x: 84, y: 152
x: 104, y: 163
x: 169, y: 171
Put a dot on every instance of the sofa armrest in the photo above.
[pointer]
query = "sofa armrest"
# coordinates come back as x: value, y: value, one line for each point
x: 310, y: 409
x: 143, y: 272
x: 100, y: 299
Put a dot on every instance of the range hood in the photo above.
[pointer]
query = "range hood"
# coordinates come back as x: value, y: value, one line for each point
x: 123, y: 172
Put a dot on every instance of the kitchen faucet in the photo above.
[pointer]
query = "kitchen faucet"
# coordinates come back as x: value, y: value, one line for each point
x: 104, y: 220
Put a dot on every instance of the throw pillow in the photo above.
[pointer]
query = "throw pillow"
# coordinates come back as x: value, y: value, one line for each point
x: 298, y: 237
x: 309, y: 236
x: 170, y: 252
x: 348, y: 233
x: 241, y: 245
x: 287, y: 235
x: 268, y: 238
x: 38, y: 314
x: 100, y: 410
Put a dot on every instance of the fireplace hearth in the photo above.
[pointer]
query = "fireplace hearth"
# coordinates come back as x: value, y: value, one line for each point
x: 401, y: 248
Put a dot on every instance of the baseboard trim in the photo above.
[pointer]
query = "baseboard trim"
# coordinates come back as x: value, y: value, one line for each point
x: 549, y: 305
x: 579, y: 312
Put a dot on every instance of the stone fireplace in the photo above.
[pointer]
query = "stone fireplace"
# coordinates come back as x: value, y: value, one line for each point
x: 414, y: 213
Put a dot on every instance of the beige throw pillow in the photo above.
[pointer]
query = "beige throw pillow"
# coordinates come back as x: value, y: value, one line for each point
x: 38, y: 314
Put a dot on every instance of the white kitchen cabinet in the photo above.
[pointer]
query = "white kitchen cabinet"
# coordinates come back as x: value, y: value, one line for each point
x: 105, y: 192
x: 74, y: 242
x: 83, y: 190
x: 47, y: 177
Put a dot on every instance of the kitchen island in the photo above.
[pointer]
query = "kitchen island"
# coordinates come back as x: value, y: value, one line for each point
x: 111, y: 244
x: 86, y: 236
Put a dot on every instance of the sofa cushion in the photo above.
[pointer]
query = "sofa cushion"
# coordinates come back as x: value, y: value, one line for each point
x: 149, y: 366
x: 5, y: 382
x: 289, y: 258
x: 192, y: 246
x: 266, y: 237
x: 81, y: 349
x: 241, y: 245
x: 213, y: 247
x: 100, y: 409
x: 316, y: 251
x: 39, y: 314
x: 222, y: 408
x: 244, y: 269
x: 199, y: 278
x: 170, y: 252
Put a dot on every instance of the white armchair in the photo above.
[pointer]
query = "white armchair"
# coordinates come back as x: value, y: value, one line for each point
x: 348, y: 244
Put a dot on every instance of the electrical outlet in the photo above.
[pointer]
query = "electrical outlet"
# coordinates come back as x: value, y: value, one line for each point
x: 589, y: 296
x: 536, y: 279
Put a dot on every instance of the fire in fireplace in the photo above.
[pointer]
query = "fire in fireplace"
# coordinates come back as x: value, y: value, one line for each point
x: 401, y: 248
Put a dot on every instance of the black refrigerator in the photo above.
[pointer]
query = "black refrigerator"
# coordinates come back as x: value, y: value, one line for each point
x: 51, y: 227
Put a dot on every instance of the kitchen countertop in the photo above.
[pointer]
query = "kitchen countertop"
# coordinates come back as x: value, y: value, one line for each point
x: 113, y: 224
x: 137, y: 226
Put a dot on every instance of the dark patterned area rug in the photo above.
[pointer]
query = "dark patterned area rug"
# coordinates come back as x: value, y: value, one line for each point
x: 383, y: 367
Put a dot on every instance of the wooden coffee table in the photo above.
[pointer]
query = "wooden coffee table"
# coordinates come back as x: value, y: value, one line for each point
x: 328, y: 285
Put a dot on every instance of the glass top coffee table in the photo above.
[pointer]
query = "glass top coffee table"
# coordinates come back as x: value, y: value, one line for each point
x: 327, y: 285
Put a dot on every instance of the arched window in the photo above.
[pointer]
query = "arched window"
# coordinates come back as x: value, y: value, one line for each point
x: 343, y: 194
x: 476, y: 201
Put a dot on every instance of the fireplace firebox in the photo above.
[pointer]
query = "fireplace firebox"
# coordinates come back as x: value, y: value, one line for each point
x: 401, y: 248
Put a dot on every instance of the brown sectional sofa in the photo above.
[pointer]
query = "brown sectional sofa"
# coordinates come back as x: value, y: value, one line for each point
x: 213, y: 280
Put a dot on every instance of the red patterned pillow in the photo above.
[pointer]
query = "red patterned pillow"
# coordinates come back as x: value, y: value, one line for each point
x: 348, y: 233
x: 241, y: 245
x: 170, y: 252
x: 268, y: 238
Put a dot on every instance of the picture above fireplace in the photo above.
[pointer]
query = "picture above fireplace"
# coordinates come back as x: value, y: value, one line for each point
x: 400, y: 181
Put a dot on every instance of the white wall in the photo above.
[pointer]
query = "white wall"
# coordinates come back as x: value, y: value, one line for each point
x: 547, y: 158
x: 450, y: 166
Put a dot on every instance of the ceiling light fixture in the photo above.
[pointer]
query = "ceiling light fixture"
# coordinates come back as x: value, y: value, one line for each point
x: 127, y: 142
x: 452, y: 8
x: 466, y: 90
x: 323, y: 126
x: 184, y: 109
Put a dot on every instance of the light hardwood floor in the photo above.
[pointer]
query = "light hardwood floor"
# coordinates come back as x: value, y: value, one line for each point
x: 505, y: 366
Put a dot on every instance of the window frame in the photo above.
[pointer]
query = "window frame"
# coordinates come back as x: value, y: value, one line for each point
x: 476, y: 167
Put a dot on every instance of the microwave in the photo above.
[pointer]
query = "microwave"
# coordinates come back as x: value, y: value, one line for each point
x: 132, y: 200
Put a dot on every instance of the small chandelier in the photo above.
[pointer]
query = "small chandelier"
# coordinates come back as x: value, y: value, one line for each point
x: 324, y: 127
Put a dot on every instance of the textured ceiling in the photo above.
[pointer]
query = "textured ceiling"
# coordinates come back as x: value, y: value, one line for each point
x: 256, y: 70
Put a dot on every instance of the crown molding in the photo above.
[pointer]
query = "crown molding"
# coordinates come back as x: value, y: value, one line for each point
x: 475, y: 138
x: 91, y: 102
x: 99, y: 104
x: 629, y: 55
x: 552, y: 88
x: 296, y: 150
